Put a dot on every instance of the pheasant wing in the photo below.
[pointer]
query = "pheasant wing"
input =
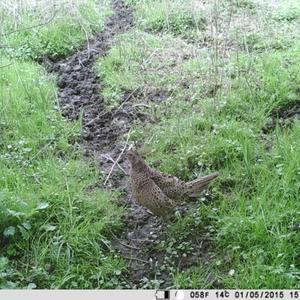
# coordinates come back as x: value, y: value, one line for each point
x: 170, y: 185
x: 152, y: 197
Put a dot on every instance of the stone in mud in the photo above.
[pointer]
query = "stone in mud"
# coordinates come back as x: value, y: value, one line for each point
x: 77, y: 68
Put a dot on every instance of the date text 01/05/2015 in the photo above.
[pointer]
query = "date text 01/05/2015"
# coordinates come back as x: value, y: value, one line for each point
x: 245, y: 294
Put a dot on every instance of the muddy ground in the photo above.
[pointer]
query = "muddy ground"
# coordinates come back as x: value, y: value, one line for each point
x: 283, y: 117
x: 80, y: 95
x: 103, y: 139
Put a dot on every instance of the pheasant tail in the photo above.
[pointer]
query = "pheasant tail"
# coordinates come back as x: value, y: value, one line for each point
x: 198, y: 185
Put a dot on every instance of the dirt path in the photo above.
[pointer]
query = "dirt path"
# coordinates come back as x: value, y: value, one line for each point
x: 103, y: 131
x: 80, y: 93
x: 284, y: 117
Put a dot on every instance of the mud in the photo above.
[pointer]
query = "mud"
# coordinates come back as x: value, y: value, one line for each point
x: 284, y: 117
x: 103, y: 139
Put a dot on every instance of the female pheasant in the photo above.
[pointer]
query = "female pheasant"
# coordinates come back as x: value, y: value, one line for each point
x: 160, y: 192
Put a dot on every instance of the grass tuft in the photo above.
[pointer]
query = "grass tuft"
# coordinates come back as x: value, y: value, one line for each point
x: 176, y: 17
x: 258, y: 188
x: 34, y: 30
x: 53, y: 233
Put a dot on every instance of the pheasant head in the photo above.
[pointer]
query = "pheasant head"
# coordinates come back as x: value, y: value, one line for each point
x: 136, y: 161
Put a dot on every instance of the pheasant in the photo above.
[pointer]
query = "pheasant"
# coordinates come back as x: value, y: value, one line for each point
x: 160, y: 192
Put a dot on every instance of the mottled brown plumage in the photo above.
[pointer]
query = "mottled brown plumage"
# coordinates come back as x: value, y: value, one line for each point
x: 160, y: 192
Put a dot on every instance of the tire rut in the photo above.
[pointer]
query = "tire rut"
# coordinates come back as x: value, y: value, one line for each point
x: 80, y: 97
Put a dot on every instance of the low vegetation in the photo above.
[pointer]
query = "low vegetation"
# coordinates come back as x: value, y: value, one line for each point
x: 255, y: 209
x: 176, y: 17
x: 34, y: 30
x: 215, y: 104
x: 142, y: 51
x: 54, y: 234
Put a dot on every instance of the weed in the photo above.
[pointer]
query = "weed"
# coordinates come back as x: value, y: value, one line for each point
x: 53, y: 233
x: 288, y: 11
x: 176, y: 17
x: 138, y: 60
x: 265, y: 184
x: 220, y: 94
x: 245, y: 4
x: 31, y: 35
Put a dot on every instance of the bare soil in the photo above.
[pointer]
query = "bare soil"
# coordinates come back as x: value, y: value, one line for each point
x: 284, y: 117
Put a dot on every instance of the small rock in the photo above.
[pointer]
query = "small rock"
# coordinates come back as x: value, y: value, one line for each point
x: 77, y: 68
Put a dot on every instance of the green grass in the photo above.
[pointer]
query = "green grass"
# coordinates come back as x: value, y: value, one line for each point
x: 53, y: 233
x: 177, y: 17
x: 244, y: 4
x: 288, y: 11
x: 37, y: 30
x: 138, y: 62
x: 257, y: 195
x: 259, y: 26
x: 218, y: 103
x: 220, y: 92
x: 259, y: 232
